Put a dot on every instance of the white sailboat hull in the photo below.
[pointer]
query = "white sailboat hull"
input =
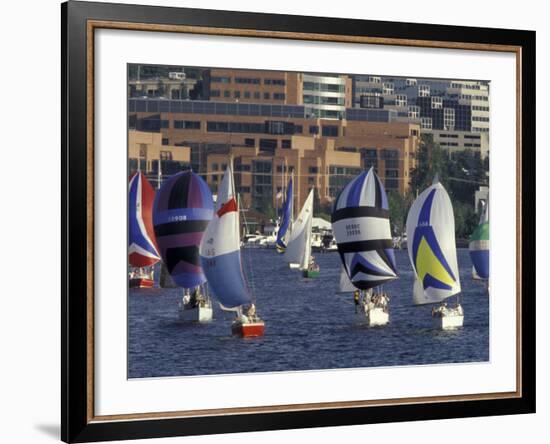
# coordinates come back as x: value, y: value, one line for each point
x: 450, y: 321
x: 374, y: 316
x: 448, y: 318
x: 196, y: 314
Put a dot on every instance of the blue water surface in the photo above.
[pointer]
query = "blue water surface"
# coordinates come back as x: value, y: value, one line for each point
x: 308, y: 326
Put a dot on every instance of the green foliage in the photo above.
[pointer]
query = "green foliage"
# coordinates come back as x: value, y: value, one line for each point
x: 460, y: 173
x: 399, y: 207
x: 465, y: 219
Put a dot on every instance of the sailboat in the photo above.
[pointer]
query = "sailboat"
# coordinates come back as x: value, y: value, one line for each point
x: 220, y: 256
x: 479, y: 246
x: 432, y: 252
x: 286, y: 221
x: 183, y: 207
x: 142, y: 249
x: 361, y: 226
x: 298, y: 251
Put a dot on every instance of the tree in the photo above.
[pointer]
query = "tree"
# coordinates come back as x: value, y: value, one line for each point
x: 430, y: 160
x: 399, y: 207
x: 460, y: 173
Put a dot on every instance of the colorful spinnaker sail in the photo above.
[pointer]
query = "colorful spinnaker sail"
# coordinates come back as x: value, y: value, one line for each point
x: 361, y: 226
x: 298, y: 250
x: 183, y: 208
x: 431, y: 246
x: 220, y: 251
x: 286, y: 220
x: 142, y: 249
x: 479, y: 245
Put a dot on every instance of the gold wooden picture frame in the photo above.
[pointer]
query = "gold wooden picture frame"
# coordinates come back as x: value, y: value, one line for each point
x: 80, y: 22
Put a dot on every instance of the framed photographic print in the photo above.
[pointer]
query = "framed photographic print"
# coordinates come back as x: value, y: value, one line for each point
x: 276, y: 221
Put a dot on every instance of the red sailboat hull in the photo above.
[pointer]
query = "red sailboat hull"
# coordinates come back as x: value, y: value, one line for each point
x: 248, y: 330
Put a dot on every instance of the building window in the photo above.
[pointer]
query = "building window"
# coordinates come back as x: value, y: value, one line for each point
x: 311, y: 180
x: 414, y: 112
x: 448, y: 118
x: 401, y: 100
x: 242, y: 167
x: 268, y: 145
x: 247, y: 94
x: 339, y: 177
x: 298, y: 129
x: 371, y: 101
x: 187, y: 124
x: 256, y: 94
x: 313, y: 170
x: 214, y: 93
x: 220, y: 79
x: 313, y: 129
x: 279, y: 82
x: 387, y: 88
x: 227, y: 93
x: 426, y: 123
x: 286, y: 144
x: 423, y: 90
x: 278, y: 96
x: 330, y: 131
x: 267, y: 96
x: 165, y: 141
x: 214, y: 167
x: 262, y: 187
x: 437, y: 103
x: 165, y: 155
x: 235, y: 127
x: 237, y: 94
x: 391, y: 158
x: 164, y: 124
x: 249, y: 142
x: 247, y: 80
x: 410, y: 82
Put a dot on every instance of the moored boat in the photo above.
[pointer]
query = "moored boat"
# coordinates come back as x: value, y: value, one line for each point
x: 432, y: 252
x: 183, y: 207
x: 361, y: 227
x: 142, y: 249
x: 220, y: 256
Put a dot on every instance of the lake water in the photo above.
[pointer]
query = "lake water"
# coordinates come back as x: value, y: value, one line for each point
x: 307, y: 326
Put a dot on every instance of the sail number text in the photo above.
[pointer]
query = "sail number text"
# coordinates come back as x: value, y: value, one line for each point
x: 353, y: 229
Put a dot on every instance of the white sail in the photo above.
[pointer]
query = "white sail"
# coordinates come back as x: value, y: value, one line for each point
x: 432, y: 247
x: 298, y: 250
x: 220, y: 251
x: 345, y: 285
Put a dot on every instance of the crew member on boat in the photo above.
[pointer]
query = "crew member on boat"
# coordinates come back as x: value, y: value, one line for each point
x: 312, y: 265
x: 251, y: 313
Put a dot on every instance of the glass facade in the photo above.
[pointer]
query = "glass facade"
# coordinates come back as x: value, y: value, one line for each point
x: 262, y: 184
